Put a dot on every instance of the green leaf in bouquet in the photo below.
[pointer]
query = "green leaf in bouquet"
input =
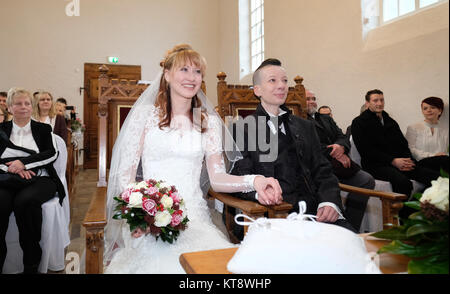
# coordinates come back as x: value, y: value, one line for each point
x: 398, y: 247
x: 415, y: 250
x: 395, y: 233
x: 413, y: 204
x: 417, y: 196
x: 430, y: 265
x: 444, y: 174
x: 424, y: 228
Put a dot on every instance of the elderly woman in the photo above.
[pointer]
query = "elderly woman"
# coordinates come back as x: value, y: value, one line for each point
x: 428, y: 139
x: 27, y: 176
x: 44, y: 111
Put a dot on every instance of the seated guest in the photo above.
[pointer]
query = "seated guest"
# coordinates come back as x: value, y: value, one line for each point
x: 428, y: 139
x: 44, y: 111
x: 27, y: 176
x: 384, y: 150
x: 60, y: 106
x: 325, y: 110
x: 3, y: 96
x: 4, y: 113
x: 335, y: 146
x: 303, y: 172
x: 348, y: 132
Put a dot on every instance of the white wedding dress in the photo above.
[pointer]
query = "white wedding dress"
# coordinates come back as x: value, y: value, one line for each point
x: 175, y: 155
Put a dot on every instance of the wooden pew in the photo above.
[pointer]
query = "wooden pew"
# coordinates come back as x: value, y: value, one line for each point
x: 114, y: 96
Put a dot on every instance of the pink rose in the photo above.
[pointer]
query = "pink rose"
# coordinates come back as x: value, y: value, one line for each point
x: 176, y: 198
x: 149, y: 205
x: 151, y: 190
x: 176, y: 219
x: 126, y: 195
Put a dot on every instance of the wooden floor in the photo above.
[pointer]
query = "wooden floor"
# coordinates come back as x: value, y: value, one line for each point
x: 85, y: 186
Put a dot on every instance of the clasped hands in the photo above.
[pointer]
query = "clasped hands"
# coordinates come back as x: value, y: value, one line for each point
x: 17, y: 167
x: 404, y: 164
x: 270, y: 193
x: 338, y: 152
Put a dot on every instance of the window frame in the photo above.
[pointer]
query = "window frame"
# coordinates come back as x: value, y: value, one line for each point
x: 417, y: 9
x: 260, y: 38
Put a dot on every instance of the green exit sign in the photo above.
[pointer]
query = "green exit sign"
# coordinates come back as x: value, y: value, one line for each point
x: 113, y: 59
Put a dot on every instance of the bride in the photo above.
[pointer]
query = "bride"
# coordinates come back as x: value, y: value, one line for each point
x: 172, y: 138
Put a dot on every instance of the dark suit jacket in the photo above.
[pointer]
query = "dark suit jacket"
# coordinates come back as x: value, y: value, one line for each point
x: 329, y: 133
x: 378, y: 144
x: 42, y: 135
x: 317, y: 172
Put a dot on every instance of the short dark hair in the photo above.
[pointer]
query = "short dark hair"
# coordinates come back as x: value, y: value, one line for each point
x: 323, y: 107
x: 267, y: 62
x: 62, y: 100
x: 371, y: 92
x: 4, y: 94
x: 434, y: 101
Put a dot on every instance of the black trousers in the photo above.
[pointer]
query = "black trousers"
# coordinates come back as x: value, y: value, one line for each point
x: 26, y: 203
x: 435, y: 162
x: 401, y: 180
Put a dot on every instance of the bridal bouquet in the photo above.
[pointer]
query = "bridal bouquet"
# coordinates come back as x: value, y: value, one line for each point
x: 154, y: 207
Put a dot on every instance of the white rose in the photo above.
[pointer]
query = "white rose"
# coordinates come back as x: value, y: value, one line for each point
x: 165, y: 185
x: 167, y: 201
x: 437, y: 194
x: 135, y: 200
x: 162, y: 218
x: 140, y: 185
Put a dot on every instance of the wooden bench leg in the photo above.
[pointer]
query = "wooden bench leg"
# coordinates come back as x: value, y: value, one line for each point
x: 94, y: 250
x: 390, y: 213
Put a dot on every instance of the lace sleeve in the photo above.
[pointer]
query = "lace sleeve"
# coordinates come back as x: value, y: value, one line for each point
x: 220, y: 180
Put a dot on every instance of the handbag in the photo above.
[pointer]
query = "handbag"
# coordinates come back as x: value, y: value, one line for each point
x: 296, y: 245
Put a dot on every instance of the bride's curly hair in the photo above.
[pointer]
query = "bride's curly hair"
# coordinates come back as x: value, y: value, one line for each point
x: 175, y: 58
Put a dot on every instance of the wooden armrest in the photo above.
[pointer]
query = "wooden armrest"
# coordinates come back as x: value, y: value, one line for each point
x: 391, y: 202
x: 247, y: 206
x: 95, y: 222
x: 373, y: 193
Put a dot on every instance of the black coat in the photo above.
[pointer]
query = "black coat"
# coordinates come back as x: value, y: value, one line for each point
x: 378, y: 144
x: 316, y: 170
x: 42, y: 135
x: 329, y: 133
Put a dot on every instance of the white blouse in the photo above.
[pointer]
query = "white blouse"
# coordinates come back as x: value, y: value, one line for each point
x: 423, y: 143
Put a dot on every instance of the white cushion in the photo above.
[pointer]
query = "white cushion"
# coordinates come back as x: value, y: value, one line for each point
x: 300, y: 247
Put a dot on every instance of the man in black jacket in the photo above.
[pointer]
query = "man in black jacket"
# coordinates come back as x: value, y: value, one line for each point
x: 335, y: 147
x: 384, y: 150
x: 294, y: 157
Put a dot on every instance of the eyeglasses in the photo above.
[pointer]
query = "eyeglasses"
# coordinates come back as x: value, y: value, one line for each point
x: 310, y: 98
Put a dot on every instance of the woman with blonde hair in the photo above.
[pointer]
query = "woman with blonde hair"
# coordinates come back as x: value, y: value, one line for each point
x: 44, y: 111
x: 173, y: 130
x: 27, y: 176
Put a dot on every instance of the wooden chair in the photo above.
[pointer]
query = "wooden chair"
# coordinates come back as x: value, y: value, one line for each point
x: 239, y: 100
